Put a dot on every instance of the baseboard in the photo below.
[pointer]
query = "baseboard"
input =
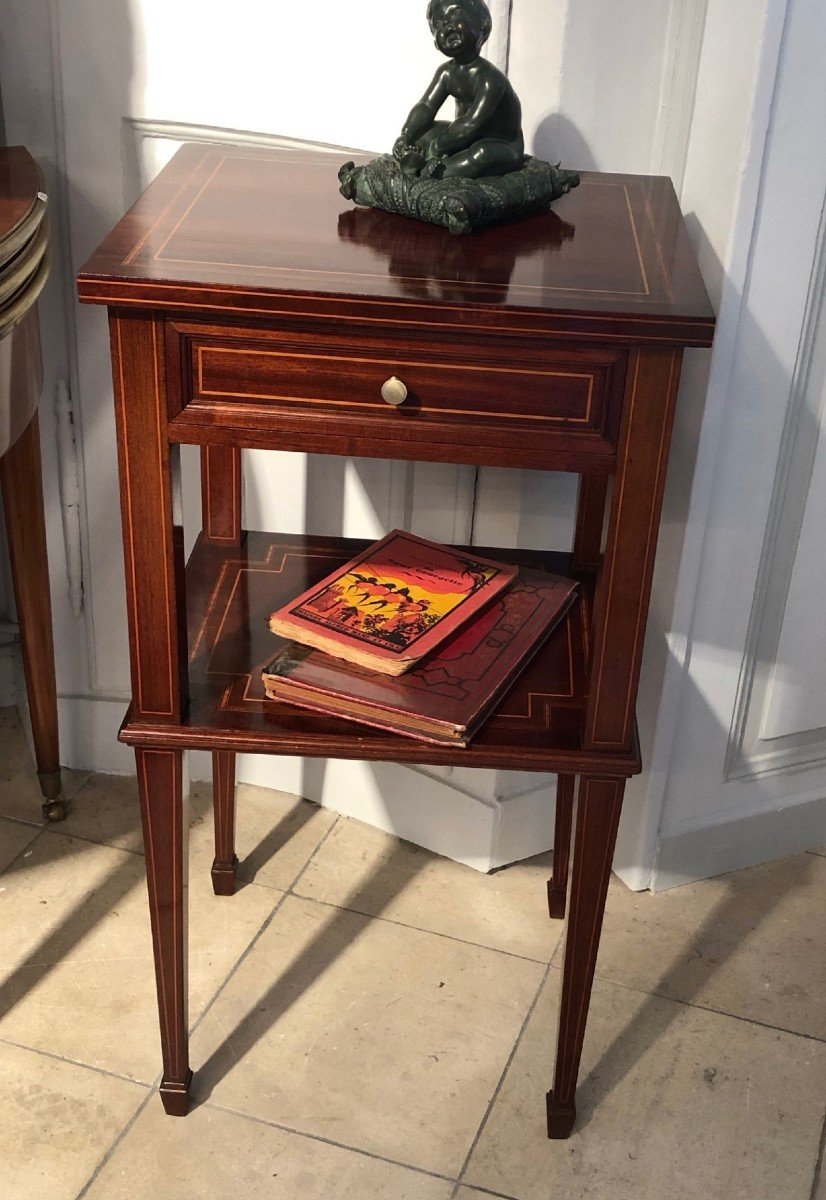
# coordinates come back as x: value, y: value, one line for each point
x: 752, y: 839
x: 525, y: 824
x: 455, y: 814
x: 416, y: 805
x: 441, y: 812
x: 89, y: 735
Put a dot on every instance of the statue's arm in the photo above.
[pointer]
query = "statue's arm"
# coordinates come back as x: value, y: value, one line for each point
x: 471, y: 126
x: 423, y: 115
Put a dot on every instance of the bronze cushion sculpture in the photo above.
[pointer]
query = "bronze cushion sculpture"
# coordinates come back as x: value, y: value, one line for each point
x: 470, y: 172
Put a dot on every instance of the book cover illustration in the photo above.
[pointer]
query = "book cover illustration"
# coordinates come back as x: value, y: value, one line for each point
x: 394, y: 603
x: 445, y: 697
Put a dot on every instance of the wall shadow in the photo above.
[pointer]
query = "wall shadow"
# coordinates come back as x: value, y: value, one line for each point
x: 558, y: 139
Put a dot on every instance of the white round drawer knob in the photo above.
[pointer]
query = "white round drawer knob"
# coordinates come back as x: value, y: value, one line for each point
x: 394, y: 391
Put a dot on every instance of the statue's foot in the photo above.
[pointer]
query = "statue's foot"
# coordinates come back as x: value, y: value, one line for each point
x: 458, y: 220
x: 412, y: 163
x: 347, y: 179
x: 435, y: 168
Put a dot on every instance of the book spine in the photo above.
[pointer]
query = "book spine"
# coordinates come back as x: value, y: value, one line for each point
x: 287, y: 698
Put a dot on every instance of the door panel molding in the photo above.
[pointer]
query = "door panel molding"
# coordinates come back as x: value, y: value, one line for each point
x: 683, y: 51
x: 749, y: 751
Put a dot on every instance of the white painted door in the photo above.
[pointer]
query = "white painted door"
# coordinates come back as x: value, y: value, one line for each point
x: 746, y: 771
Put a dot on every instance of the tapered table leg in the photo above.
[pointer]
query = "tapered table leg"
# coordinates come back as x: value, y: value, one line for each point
x: 22, y: 485
x: 223, y: 786
x: 598, y: 814
x: 558, y: 883
x: 221, y: 494
x: 153, y: 547
x: 165, y: 828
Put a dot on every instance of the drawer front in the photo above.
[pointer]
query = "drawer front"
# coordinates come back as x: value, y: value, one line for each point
x: 495, y: 392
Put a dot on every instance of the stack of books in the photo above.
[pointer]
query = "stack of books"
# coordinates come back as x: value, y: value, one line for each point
x: 414, y: 637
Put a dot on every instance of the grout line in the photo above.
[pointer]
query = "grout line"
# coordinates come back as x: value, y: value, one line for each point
x: 61, y: 831
x: 75, y: 1062
x: 264, y: 927
x: 502, y: 1077
x: 719, y: 1012
x: 819, y: 1164
x: 116, y: 1143
x: 541, y: 962
x: 317, y: 1137
x: 474, y: 1187
x: 817, y: 853
x: 327, y: 833
x: 34, y: 824
x: 561, y: 942
x: 236, y: 965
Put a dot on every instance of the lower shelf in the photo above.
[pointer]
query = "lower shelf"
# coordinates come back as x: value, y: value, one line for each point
x: 230, y: 594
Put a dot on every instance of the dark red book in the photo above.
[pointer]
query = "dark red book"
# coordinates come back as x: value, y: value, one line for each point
x: 445, y: 698
x: 394, y: 603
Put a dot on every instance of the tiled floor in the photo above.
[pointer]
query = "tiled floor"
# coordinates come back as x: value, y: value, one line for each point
x: 371, y: 1022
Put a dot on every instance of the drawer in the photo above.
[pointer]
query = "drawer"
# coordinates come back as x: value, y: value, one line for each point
x: 493, y: 392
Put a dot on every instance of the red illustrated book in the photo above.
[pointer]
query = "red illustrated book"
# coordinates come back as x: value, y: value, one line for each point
x: 394, y: 603
x: 446, y: 698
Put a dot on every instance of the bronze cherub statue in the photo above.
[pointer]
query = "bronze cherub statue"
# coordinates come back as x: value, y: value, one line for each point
x: 486, y: 137
x: 472, y: 171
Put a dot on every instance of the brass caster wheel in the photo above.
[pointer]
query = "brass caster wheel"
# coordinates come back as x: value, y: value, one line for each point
x: 54, y: 810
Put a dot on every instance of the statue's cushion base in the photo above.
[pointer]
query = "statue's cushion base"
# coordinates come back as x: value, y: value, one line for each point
x: 461, y: 205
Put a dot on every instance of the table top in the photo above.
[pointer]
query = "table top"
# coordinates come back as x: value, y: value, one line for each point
x: 257, y: 230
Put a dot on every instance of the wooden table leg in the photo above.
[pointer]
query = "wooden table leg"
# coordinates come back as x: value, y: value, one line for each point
x: 558, y: 883
x: 221, y: 494
x: 223, y: 786
x: 156, y: 603
x: 22, y: 485
x: 590, y: 518
x: 598, y: 814
x: 165, y: 829
x: 221, y: 524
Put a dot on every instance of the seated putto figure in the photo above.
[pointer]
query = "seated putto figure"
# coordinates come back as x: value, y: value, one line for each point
x: 486, y: 137
x: 469, y: 173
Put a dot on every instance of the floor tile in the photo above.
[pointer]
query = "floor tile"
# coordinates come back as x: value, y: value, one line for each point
x: 106, y: 810
x: 215, y: 1154
x: 277, y: 833
x: 58, y: 1122
x: 747, y: 943
x: 675, y: 1102
x: 820, y: 1186
x: 76, y: 953
x: 14, y: 838
x: 20, y: 796
x: 19, y: 788
x: 372, y: 872
x: 377, y: 1036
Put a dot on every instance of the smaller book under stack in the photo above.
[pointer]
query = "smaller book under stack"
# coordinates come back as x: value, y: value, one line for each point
x: 414, y: 637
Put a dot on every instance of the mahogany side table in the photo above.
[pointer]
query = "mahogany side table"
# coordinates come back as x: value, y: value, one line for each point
x: 250, y: 305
